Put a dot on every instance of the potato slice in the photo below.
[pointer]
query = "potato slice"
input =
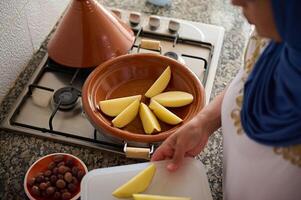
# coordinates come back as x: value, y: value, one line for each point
x: 137, y: 184
x: 174, y: 98
x: 114, y: 107
x: 160, y: 84
x: 149, y: 120
x: 157, y: 197
x: 127, y: 115
x: 163, y: 114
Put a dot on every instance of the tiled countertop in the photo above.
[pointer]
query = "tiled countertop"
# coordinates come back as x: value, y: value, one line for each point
x: 18, y: 152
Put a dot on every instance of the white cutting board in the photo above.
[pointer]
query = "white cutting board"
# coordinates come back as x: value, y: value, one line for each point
x: 188, y: 181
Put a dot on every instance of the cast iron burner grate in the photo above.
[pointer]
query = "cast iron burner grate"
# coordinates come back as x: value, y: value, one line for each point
x: 176, y: 40
x: 66, y: 98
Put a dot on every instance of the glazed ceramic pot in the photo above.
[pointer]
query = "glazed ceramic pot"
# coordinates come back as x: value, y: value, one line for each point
x: 41, y: 165
x: 133, y: 74
x: 89, y: 35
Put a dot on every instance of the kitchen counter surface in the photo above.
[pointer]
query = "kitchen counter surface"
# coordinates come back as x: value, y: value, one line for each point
x: 18, y: 152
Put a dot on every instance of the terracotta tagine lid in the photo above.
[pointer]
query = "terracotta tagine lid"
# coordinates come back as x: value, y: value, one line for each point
x: 89, y: 35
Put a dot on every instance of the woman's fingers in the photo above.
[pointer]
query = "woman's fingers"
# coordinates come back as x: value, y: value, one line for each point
x: 178, y: 157
x: 162, y: 153
x: 158, y: 155
x: 170, y: 149
x: 180, y: 144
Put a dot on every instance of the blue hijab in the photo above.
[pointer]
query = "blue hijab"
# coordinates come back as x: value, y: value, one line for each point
x: 271, y: 110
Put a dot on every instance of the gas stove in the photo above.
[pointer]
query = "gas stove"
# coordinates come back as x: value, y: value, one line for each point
x: 50, y: 106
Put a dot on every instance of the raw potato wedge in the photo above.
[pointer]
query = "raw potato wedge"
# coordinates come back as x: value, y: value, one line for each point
x: 114, y: 107
x: 127, y: 115
x: 137, y: 184
x: 163, y: 114
x: 160, y: 84
x: 157, y: 197
x: 149, y: 120
x: 174, y: 98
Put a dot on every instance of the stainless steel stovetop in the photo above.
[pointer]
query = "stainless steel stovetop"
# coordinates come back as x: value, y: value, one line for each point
x: 36, y: 111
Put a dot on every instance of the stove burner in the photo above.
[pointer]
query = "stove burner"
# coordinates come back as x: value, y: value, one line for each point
x: 174, y: 56
x: 66, y: 98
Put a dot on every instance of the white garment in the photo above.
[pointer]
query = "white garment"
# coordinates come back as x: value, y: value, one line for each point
x: 253, y: 171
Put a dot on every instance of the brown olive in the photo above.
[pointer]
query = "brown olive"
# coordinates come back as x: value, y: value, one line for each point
x: 68, y: 177
x: 68, y: 169
x: 48, y: 183
x: 61, y: 164
x: 80, y: 174
x: 57, y: 195
x: 60, y: 184
x: 31, y: 182
x: 50, y: 190
x: 44, y: 194
x: 74, y: 180
x: 64, y: 190
x: 53, y: 179
x: 60, y: 176
x: 47, y: 179
x: 58, y: 158
x: 40, y: 178
x: 55, y: 170
x: 72, y: 187
x: 69, y: 162
x: 47, y: 173
x: 66, y: 195
x: 74, y: 171
x: 35, y: 190
x: 51, y: 165
x: 43, y: 186
x: 62, y: 169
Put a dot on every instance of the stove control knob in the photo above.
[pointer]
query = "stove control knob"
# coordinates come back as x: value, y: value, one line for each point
x: 154, y: 22
x: 135, y: 18
x: 173, y: 26
x: 117, y: 12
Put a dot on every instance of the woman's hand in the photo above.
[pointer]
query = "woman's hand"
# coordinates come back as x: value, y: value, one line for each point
x: 188, y: 141
x: 192, y: 137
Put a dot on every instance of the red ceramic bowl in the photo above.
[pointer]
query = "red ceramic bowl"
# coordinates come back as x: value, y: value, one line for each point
x: 133, y: 74
x: 41, y: 165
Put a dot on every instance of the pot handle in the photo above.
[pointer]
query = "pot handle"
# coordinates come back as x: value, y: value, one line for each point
x: 154, y: 45
x: 138, y: 152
